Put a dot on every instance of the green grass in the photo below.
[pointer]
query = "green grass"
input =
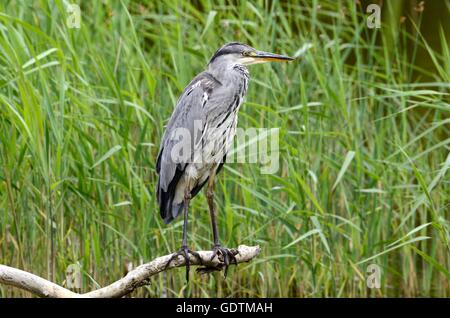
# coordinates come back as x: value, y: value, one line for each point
x: 364, y: 141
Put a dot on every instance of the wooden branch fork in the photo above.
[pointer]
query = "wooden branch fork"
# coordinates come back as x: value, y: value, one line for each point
x: 136, y: 278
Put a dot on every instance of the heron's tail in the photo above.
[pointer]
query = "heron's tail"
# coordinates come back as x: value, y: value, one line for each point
x: 172, y: 213
x: 167, y: 208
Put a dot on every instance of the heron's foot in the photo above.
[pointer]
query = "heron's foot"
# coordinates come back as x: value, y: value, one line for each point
x: 184, y: 252
x: 226, y: 256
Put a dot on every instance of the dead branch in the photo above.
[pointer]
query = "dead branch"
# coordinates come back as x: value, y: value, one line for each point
x: 137, y: 277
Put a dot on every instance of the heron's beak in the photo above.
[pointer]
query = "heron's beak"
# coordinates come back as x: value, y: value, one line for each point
x: 261, y: 57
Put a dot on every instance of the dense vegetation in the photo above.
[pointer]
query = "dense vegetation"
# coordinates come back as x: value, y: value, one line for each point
x: 364, y: 125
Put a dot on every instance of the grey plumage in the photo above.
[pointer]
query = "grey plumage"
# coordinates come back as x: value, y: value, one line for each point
x: 199, y: 135
x: 212, y: 99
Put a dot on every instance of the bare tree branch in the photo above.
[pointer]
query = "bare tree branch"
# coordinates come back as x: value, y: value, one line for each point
x: 32, y: 283
x: 135, y: 278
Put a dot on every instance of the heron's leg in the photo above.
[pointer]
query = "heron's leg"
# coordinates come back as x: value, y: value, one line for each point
x: 187, y: 200
x: 212, y: 210
x: 228, y: 256
x: 185, y: 251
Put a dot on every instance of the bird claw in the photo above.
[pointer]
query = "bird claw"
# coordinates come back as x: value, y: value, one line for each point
x: 208, y: 269
x: 225, y: 255
x: 184, y: 252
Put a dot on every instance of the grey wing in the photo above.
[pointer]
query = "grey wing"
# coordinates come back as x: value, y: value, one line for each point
x: 186, y: 124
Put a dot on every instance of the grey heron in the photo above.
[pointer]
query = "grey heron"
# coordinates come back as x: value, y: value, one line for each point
x: 199, y: 135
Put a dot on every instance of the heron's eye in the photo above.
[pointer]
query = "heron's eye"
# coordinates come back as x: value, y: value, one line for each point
x: 246, y: 53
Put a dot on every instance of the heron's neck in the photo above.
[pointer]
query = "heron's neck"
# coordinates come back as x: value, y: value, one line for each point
x: 228, y: 72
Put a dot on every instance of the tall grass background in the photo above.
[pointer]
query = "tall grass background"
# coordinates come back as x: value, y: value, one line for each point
x: 364, y: 144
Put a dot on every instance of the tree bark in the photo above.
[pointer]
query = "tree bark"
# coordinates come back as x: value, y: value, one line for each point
x: 136, y: 278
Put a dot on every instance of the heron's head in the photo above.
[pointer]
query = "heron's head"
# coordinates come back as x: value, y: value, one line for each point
x: 238, y: 53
